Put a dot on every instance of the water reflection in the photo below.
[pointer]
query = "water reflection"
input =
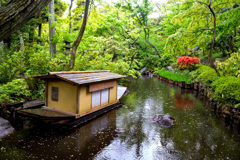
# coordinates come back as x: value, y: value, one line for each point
x: 129, y: 133
x: 198, y: 134
x: 183, y: 100
x: 82, y: 143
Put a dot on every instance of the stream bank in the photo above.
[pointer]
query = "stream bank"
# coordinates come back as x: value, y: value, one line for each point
x: 229, y: 114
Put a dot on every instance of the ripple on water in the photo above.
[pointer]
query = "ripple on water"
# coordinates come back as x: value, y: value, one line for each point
x: 128, y: 133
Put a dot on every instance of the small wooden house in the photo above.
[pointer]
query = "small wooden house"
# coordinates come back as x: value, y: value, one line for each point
x: 81, y: 92
x: 77, y: 94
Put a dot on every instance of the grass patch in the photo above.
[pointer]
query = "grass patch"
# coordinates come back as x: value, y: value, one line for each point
x: 174, y: 76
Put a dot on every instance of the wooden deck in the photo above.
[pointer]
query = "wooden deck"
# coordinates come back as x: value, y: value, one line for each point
x: 54, y: 116
x: 47, y: 115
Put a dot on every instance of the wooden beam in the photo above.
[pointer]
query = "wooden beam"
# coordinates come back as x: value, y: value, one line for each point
x: 60, y: 111
x: 94, y: 109
x: 74, y: 72
x: 78, y: 99
x: 46, y: 93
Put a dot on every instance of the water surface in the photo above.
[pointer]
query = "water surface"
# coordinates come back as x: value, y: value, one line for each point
x: 129, y: 132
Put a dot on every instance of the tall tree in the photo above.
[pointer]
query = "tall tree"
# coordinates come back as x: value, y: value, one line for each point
x: 213, y: 38
x: 1, y: 42
x: 51, y: 19
x: 141, y: 11
x: 70, y: 14
x: 80, y: 35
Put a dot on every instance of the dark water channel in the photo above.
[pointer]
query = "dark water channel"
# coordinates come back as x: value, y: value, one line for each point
x: 129, y: 132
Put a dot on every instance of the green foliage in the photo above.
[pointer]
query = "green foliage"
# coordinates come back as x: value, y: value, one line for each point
x: 227, y: 90
x: 221, y: 80
x: 151, y: 62
x: 33, y: 60
x: 173, y: 76
x: 109, y: 35
x: 11, y: 66
x: 40, y: 62
x: 192, y: 25
x: 193, y: 75
x: 15, y: 91
x: 206, y: 74
x: 231, y: 66
x: 166, y: 61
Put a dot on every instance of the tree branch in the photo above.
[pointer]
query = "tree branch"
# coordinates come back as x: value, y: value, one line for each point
x: 213, y: 39
x: 80, y: 35
x: 16, y: 13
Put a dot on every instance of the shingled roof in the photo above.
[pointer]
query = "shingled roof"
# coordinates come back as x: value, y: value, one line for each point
x: 82, y: 77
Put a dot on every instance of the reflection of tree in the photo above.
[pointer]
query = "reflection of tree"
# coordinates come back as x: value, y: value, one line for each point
x: 183, y: 101
x: 197, y: 134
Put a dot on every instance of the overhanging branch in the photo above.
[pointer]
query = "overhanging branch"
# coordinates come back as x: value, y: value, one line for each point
x: 16, y: 13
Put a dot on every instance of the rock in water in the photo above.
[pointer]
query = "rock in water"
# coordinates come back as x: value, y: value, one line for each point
x: 164, y: 120
x: 5, y: 128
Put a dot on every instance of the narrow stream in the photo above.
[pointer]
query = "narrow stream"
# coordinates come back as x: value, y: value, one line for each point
x: 129, y: 133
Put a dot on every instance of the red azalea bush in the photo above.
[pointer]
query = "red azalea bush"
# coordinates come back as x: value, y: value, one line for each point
x: 187, y: 61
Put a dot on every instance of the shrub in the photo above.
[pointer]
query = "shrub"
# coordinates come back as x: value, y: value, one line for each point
x: 231, y: 66
x: 206, y: 74
x: 227, y: 90
x: 221, y: 80
x: 187, y: 61
x: 193, y: 76
x: 14, y: 91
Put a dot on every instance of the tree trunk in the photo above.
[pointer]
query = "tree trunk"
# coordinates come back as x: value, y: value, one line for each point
x: 133, y: 55
x: 1, y: 50
x: 21, y: 40
x: 8, y: 41
x: 80, y: 35
x: 115, y: 56
x: 231, y: 45
x: 31, y: 34
x: 213, y: 39
x: 70, y: 14
x: 16, y: 13
x: 1, y: 42
x: 151, y: 44
x: 39, y: 30
x: 51, y: 19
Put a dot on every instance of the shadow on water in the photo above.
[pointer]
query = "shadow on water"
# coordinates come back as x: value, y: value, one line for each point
x: 129, y: 132
x: 40, y: 142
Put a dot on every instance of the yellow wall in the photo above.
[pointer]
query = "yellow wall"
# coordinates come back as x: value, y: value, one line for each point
x: 67, y: 96
x: 85, y: 103
x: 113, y: 93
x: 85, y: 99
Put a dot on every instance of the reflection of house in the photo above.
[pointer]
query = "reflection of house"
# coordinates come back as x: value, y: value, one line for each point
x: 83, y: 143
x: 78, y: 93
